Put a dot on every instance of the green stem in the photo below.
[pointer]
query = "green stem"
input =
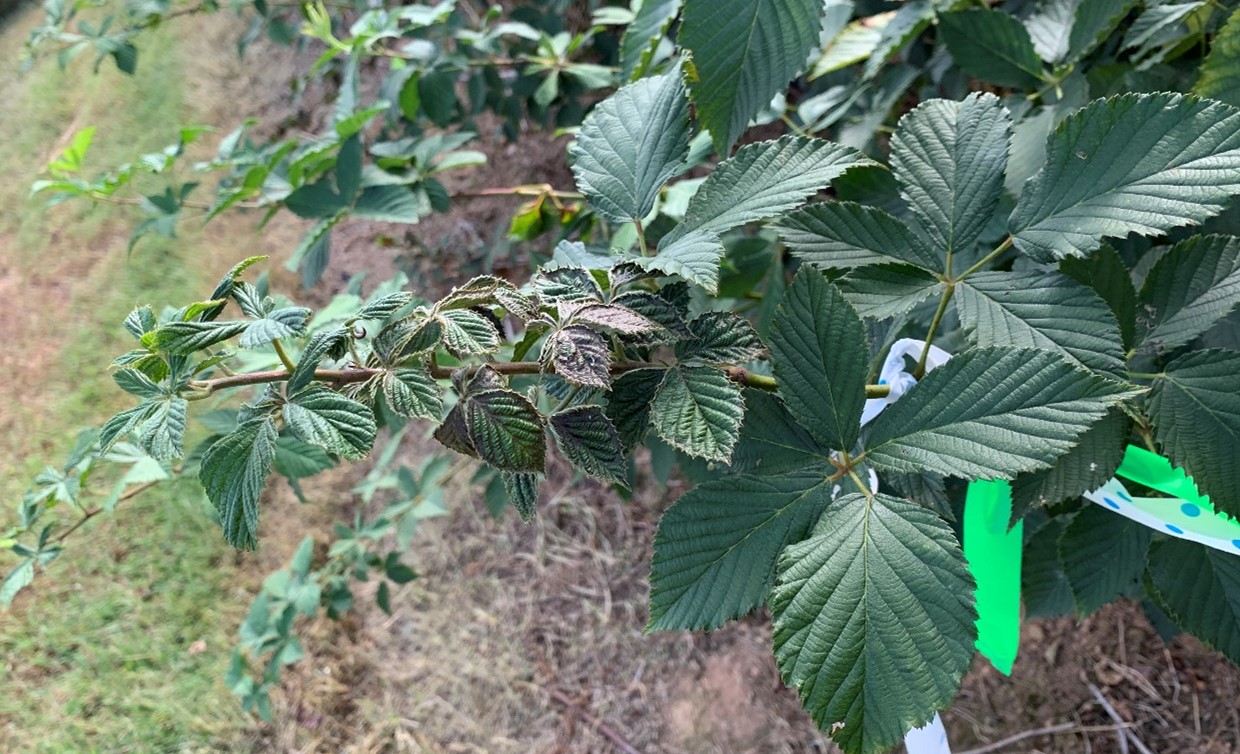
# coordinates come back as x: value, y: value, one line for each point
x: 1007, y: 244
x: 284, y: 359
x: 920, y: 371
x: 641, y: 238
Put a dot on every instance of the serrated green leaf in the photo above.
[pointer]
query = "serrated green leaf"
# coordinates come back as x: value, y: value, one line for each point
x: 720, y: 338
x: 234, y: 470
x: 1086, y: 467
x: 16, y: 580
x: 1200, y: 587
x: 1041, y: 310
x: 162, y: 432
x: 1043, y: 585
x: 949, y: 158
x: 744, y: 52
x: 1093, y: 22
x: 122, y: 424
x: 642, y: 36
x: 1191, y: 287
x: 136, y: 383
x: 909, y: 21
x: 1220, y: 71
x: 467, y: 332
x: 323, y: 417
x: 1103, y: 557
x: 765, y: 179
x: 1049, y: 26
x: 1137, y: 163
x: 506, y: 430
x: 281, y: 323
x: 630, y: 144
x: 320, y: 345
x: 991, y: 413
x: 390, y: 204
x: 1195, y: 408
x: 854, y: 43
x: 386, y: 305
x: 296, y: 459
x: 579, y: 355
x: 842, y: 235
x: 698, y: 410
x: 522, y: 492
x: 716, y: 547
x: 413, y: 392
x: 693, y: 256
x: 888, y: 290
x: 879, y: 599
x: 186, y: 337
x: 1105, y: 272
x: 818, y: 348
x: 1158, y: 26
x: 772, y: 442
x: 628, y: 405
x: 992, y: 46
x: 590, y: 442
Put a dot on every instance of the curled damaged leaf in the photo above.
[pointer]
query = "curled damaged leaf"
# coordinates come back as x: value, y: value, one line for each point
x: 579, y: 355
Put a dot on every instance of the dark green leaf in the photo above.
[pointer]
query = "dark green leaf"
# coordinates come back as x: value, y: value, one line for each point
x: 1138, y: 163
x: 641, y: 37
x: 819, y: 352
x: 1200, y: 587
x: 1041, y: 310
x: 1043, y: 585
x: 744, y: 53
x: 1196, y: 413
x: 522, y: 492
x: 889, y: 290
x: 772, y: 442
x: 1191, y: 287
x: 337, y: 424
x: 321, y: 344
x: 1105, y: 272
x: 874, y: 569
x: 628, y: 405
x: 991, y: 413
x: 506, y: 430
x: 590, y: 442
x: 843, y: 235
x: 720, y: 338
x: 949, y: 158
x: 234, y: 470
x: 698, y: 410
x: 630, y: 144
x: 716, y: 547
x: 992, y: 46
x: 1086, y: 467
x: 1220, y: 72
x: 1103, y: 557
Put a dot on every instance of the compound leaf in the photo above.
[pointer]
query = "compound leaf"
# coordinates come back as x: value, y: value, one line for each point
x: 1137, y: 163
x: 991, y: 413
x: 878, y: 599
x: 716, y: 547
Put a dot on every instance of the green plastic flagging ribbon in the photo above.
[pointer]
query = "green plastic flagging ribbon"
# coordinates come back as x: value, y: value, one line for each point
x: 994, y: 552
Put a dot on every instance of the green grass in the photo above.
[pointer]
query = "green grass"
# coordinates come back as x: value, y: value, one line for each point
x: 106, y: 653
